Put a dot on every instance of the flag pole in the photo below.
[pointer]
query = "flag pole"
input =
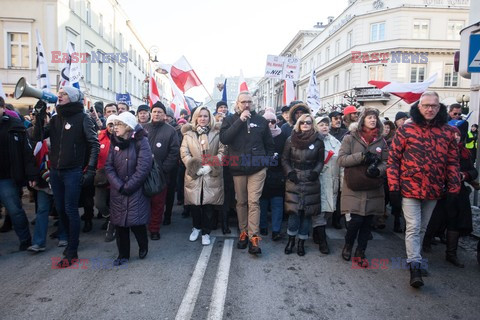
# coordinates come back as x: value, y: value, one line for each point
x: 200, y: 80
x: 383, y: 112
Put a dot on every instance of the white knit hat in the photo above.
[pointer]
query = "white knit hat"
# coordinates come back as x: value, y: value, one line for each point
x: 127, y: 118
x: 111, y: 119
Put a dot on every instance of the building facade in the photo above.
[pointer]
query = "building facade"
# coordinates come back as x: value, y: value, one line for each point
x: 98, y: 29
x: 389, y: 40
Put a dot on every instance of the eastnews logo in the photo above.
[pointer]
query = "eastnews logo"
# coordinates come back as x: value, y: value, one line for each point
x: 385, y: 263
x: 393, y: 56
x: 93, y: 57
x: 93, y: 264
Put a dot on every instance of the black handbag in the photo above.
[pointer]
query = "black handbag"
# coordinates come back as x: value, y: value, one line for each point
x: 156, y: 181
x: 357, y: 179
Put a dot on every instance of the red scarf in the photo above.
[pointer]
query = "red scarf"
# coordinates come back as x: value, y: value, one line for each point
x: 369, y: 134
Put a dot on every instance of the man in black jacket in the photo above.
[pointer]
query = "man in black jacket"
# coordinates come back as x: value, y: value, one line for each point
x: 72, y: 137
x: 17, y: 166
x: 250, y: 146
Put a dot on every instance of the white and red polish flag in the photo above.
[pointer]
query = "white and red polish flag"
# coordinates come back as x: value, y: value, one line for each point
x: 153, y: 95
x: 409, y: 92
x: 242, y: 84
x: 178, y: 100
x: 288, y: 92
x: 183, y: 75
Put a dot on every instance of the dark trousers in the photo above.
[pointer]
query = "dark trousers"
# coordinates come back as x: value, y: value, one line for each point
x: 171, y: 187
x: 337, y: 216
x: 123, y: 239
x: 87, y: 202
x: 181, y: 183
x: 202, y: 217
x: 360, y: 225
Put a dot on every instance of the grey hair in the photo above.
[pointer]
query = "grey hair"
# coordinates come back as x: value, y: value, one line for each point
x: 243, y: 93
x: 429, y: 94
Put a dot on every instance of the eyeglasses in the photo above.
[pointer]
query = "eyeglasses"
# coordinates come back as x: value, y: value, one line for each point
x: 272, y: 121
x: 306, y: 122
x: 245, y: 102
x: 430, y: 106
x: 62, y: 94
x: 119, y: 124
x: 456, y: 114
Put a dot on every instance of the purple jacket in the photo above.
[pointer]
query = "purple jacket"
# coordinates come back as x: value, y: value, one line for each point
x: 127, y: 172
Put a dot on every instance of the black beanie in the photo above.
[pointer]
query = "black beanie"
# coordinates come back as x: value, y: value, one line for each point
x: 160, y: 105
x: 143, y: 107
x: 219, y: 104
x: 99, y: 106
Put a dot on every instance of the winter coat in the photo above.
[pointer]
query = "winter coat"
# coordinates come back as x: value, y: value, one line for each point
x: 20, y: 152
x: 338, y: 133
x: 72, y: 135
x: 306, y: 194
x: 274, y: 185
x: 211, y: 184
x: 423, y: 159
x: 331, y: 173
x: 127, y: 171
x: 165, y: 146
x: 249, y: 152
x: 104, y: 140
x: 368, y: 202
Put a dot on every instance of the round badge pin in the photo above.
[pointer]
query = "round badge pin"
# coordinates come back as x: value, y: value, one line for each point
x: 117, y: 148
x: 202, y: 142
x: 158, y: 144
x: 102, y: 146
x: 378, y: 149
x: 311, y: 147
x: 68, y: 126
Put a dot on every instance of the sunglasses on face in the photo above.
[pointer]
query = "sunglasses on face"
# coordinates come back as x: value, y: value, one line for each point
x: 456, y: 114
x: 308, y: 122
x: 272, y: 121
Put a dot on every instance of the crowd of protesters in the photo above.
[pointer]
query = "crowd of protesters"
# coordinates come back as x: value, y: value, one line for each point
x: 342, y: 168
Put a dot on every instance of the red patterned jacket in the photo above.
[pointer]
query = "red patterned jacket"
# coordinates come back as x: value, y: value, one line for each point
x: 423, y: 162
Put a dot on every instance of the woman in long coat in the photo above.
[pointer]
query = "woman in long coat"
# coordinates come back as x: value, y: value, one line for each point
x: 302, y: 162
x: 128, y: 165
x: 364, y: 145
x: 202, y: 153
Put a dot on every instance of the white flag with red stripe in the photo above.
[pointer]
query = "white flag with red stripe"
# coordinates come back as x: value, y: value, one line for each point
x: 288, y: 92
x: 178, y: 100
x: 409, y: 92
x: 182, y: 74
x: 242, y: 84
x: 153, y: 94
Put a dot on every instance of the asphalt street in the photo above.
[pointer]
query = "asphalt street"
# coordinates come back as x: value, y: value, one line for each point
x: 185, y: 280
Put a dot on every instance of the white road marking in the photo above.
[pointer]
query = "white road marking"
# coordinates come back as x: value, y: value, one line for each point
x: 190, y: 298
x: 217, y: 304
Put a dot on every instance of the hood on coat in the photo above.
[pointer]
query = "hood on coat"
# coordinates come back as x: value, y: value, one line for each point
x: 299, y: 106
x: 440, y: 119
x: 357, y: 126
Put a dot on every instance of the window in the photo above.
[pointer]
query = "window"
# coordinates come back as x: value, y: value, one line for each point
x: 325, y: 88
x: 348, y: 75
x: 375, y: 72
x: 130, y: 53
x: 134, y: 85
x: 120, y: 82
x: 451, y: 77
x: 18, y: 50
x: 110, y: 78
x: 110, y: 32
x: 349, y: 39
x: 335, y: 83
x: 420, y: 29
x: 129, y: 82
x: 417, y: 73
x: 377, y: 31
x: 88, y: 69
x: 453, y: 29
x: 319, y: 59
x: 88, y: 14
x: 337, y: 47
x: 100, y: 25
x: 120, y: 41
x: 327, y: 54
x: 312, y: 65
x: 100, y: 74
x: 135, y: 56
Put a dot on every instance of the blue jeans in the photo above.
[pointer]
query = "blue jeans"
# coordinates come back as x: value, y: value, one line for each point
x: 276, y: 204
x: 66, y: 189
x: 299, y: 224
x: 44, y: 204
x: 10, y: 197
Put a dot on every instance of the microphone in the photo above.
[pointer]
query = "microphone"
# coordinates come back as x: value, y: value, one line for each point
x: 248, y: 125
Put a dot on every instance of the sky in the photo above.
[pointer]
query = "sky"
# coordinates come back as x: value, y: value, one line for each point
x: 223, y: 37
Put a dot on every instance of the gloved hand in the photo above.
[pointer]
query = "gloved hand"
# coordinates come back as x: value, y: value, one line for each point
x: 369, y: 157
x: 204, y: 170
x: 373, y: 171
x: 40, y: 109
x: 313, y: 176
x: 88, y: 176
x: 395, y: 199
x: 292, y: 176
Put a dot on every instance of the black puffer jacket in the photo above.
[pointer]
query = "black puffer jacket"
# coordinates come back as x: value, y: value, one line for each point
x: 248, y: 152
x: 20, y: 152
x: 72, y: 137
x: 165, y: 145
x: 304, y: 195
x: 274, y: 185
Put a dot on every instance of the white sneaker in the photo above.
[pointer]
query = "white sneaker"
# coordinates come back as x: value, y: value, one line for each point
x: 36, y: 248
x: 206, y: 239
x: 195, y: 233
x: 62, y: 243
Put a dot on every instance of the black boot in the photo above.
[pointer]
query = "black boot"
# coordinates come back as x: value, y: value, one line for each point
x: 290, y: 245
x: 316, y: 235
x: 225, y: 222
x: 452, y: 245
x: 416, y: 280
x: 167, y: 219
x: 70, y: 258
x: 87, y: 227
x: 7, y: 224
x: 110, y: 235
x: 336, y: 220
x: 322, y: 244
x: 347, y: 252
x: 301, y: 248
x: 359, y: 258
x: 397, y: 226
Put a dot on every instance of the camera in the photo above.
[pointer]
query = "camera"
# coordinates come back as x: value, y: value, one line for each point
x: 372, y: 170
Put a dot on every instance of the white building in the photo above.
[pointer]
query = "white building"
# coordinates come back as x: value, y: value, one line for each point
x: 423, y: 31
x: 96, y: 28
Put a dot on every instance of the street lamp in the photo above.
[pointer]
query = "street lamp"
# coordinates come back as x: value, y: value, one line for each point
x: 463, y: 100
x: 154, y: 50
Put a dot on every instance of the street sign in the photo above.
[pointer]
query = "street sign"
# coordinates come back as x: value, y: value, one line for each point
x: 474, y: 53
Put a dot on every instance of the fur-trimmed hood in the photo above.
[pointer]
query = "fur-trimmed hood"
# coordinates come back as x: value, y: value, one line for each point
x: 299, y: 106
x: 440, y: 119
x: 188, y: 127
x: 356, y: 126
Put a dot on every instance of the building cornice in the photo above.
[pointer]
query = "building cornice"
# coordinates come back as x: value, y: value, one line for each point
x: 12, y: 19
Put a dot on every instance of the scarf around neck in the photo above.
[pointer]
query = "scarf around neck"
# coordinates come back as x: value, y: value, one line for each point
x: 302, y: 140
x: 275, y: 131
x: 369, y: 134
